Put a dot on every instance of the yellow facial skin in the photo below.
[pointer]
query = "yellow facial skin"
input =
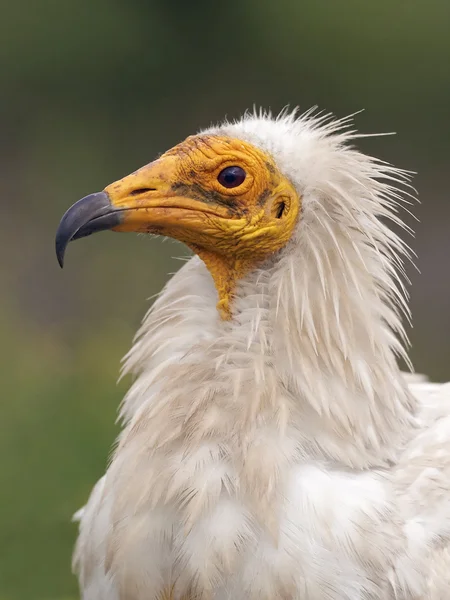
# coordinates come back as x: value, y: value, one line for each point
x: 231, y: 229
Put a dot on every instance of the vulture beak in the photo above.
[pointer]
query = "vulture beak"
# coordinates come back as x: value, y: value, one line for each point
x: 90, y: 214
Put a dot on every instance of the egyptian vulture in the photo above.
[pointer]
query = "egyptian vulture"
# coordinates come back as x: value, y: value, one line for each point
x: 271, y: 446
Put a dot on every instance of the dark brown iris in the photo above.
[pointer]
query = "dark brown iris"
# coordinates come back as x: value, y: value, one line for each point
x: 231, y: 177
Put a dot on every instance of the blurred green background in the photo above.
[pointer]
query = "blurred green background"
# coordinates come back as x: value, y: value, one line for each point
x: 91, y: 90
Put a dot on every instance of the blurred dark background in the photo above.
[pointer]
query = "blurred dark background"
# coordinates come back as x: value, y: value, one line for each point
x: 91, y: 90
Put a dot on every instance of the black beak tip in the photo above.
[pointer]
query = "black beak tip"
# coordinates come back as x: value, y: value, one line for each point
x: 60, y: 251
x: 89, y: 215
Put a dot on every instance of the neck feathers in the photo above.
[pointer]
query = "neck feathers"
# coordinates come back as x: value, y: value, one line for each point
x: 310, y: 352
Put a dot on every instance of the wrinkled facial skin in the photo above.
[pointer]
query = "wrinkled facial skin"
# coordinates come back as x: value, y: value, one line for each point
x: 237, y: 222
x: 232, y: 229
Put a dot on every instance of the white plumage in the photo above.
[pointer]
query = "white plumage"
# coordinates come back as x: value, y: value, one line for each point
x: 282, y: 454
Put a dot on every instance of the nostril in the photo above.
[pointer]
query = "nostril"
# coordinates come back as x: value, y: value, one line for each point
x: 142, y: 191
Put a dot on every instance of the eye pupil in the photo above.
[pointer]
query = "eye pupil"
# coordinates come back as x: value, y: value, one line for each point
x: 231, y: 177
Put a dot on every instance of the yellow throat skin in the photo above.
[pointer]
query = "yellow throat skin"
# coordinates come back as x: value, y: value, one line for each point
x: 225, y: 275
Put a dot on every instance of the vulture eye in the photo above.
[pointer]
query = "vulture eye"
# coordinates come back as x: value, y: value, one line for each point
x: 231, y: 177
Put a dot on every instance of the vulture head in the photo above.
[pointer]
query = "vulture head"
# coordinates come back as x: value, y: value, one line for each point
x: 222, y: 196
